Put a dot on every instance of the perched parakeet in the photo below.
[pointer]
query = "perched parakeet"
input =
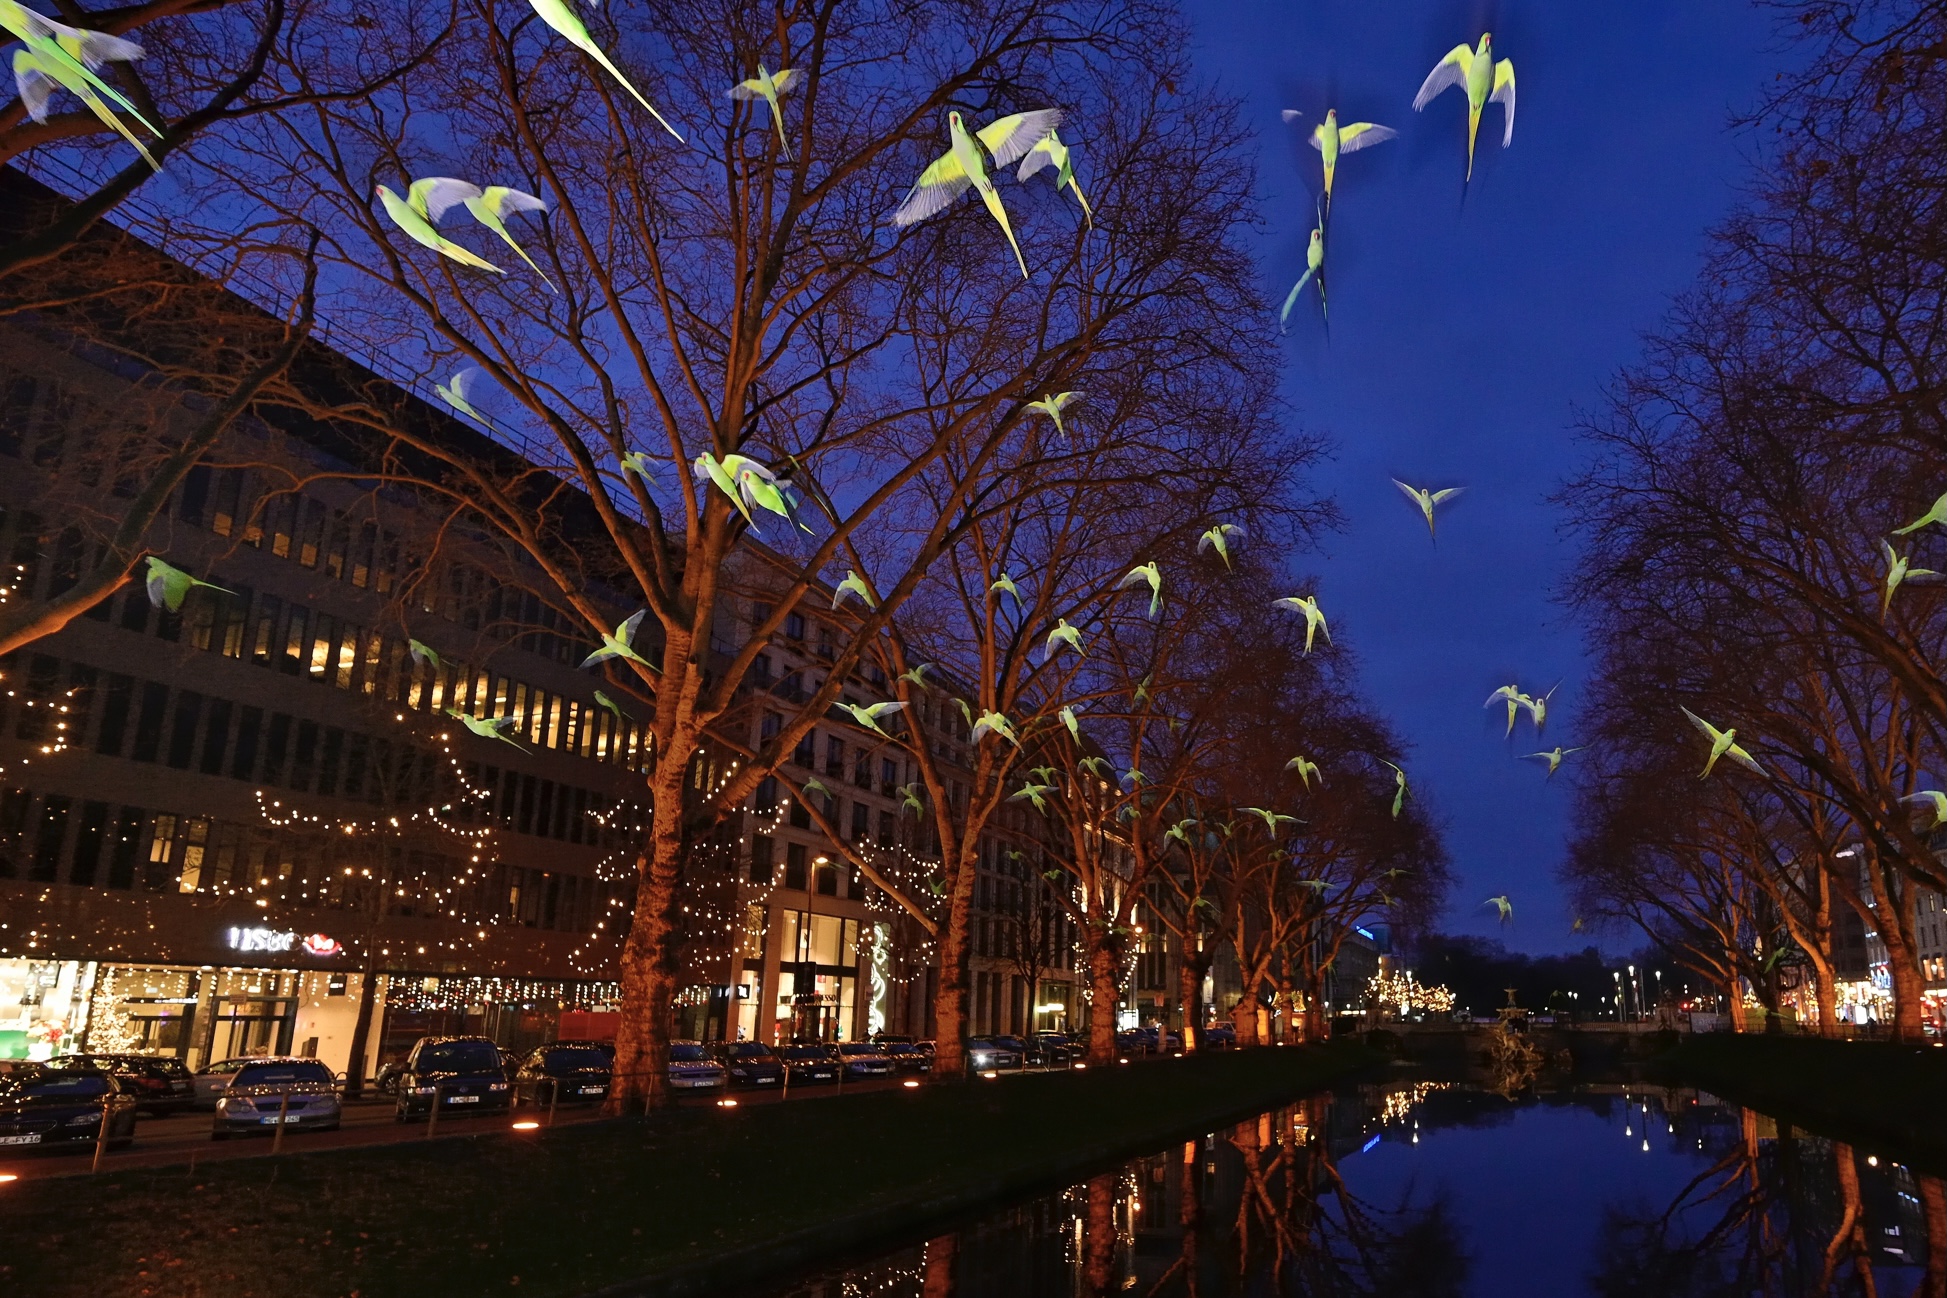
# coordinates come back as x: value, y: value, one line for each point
x: 1427, y: 501
x: 1723, y: 743
x: 1217, y: 539
x: 767, y: 87
x: 1331, y: 139
x: 964, y: 164
x: 561, y: 15
x: 869, y: 716
x: 412, y: 214
x: 615, y: 644
x: 1314, y: 269
x: 1314, y: 618
x: 1049, y: 151
x: 1484, y: 80
x: 169, y: 585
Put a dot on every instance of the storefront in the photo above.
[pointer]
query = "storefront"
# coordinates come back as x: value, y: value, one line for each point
x: 43, y: 1006
x: 518, y: 1013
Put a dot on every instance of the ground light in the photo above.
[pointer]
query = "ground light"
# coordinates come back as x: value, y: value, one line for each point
x: 910, y: 1084
x: 1081, y: 1068
x: 1122, y: 1061
x: 726, y: 1104
x: 7, y: 1176
x: 990, y: 1074
x: 529, y: 1125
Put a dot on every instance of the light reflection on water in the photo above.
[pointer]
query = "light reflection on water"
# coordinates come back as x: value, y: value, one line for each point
x: 1422, y: 1190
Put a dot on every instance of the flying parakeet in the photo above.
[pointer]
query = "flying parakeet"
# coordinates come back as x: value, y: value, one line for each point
x: 965, y: 163
x: 767, y: 87
x: 1484, y: 80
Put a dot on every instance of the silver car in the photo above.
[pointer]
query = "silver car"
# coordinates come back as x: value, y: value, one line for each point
x: 211, y: 1080
x: 300, y: 1093
x: 691, y: 1068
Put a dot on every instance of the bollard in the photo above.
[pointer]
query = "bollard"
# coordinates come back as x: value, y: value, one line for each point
x: 432, y: 1118
x: 554, y: 1097
x: 101, y: 1135
x: 283, y: 1111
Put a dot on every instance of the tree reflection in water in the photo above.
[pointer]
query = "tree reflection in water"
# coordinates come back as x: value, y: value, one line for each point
x: 1265, y: 1209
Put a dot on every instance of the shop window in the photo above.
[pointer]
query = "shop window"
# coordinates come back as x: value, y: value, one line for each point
x: 834, y: 755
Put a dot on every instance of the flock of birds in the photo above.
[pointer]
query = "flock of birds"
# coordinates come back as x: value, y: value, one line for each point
x: 54, y: 56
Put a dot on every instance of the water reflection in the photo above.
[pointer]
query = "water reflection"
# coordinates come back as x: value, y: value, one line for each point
x: 1425, y: 1190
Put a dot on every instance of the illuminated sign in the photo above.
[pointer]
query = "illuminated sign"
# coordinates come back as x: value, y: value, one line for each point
x: 275, y: 941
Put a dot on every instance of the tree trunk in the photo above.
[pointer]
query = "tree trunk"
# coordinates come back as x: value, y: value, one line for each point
x: 1099, y: 1237
x: 1850, y: 1237
x: 1243, y: 1017
x: 950, y: 992
x: 937, y: 1280
x: 362, y: 1026
x: 1103, y: 968
x: 1316, y: 1027
x: 1288, y: 997
x: 1189, y: 992
x: 650, y: 957
x: 1734, y: 999
x: 1827, y: 997
x: 1933, y: 1211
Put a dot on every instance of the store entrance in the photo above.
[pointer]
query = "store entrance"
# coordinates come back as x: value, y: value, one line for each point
x: 251, y: 1026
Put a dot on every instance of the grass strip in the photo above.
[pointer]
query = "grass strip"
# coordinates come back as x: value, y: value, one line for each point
x: 1879, y: 1095
x: 679, y: 1203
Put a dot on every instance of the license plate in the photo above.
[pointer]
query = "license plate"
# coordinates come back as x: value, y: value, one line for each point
x: 273, y: 1119
x: 31, y: 1138
x: 766, y: 1081
x: 593, y: 1090
x: 463, y: 1099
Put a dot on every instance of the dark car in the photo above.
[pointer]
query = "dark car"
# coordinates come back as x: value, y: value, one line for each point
x: 563, y: 1072
x: 907, y: 1057
x: 1053, y: 1049
x: 986, y: 1054
x: 1028, y: 1053
x: 893, y: 1039
x: 48, y: 1106
x: 462, y: 1073
x: 809, y: 1064
x: 863, y: 1059
x: 1132, y: 1042
x: 1219, y: 1036
x: 159, y: 1086
x: 749, y: 1063
x: 301, y: 1094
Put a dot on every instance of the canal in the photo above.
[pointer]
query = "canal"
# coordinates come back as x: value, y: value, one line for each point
x: 1417, y: 1189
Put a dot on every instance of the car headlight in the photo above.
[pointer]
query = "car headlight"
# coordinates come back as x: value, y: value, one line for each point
x: 424, y: 1090
x: 235, y: 1102
x: 85, y: 1120
x: 981, y: 1060
x: 497, y: 1086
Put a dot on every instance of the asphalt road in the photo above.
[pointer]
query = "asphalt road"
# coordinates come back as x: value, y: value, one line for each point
x: 185, y: 1137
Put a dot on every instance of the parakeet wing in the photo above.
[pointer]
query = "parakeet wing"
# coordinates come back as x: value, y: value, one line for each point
x: 435, y: 194
x: 747, y: 90
x: 1290, y: 115
x: 1411, y: 493
x: 502, y: 200
x: 1703, y: 727
x: 626, y: 632
x: 1363, y: 135
x: 937, y: 186
x: 34, y: 85
x: 1449, y: 71
x: 1007, y: 138
x: 787, y: 78
x: 92, y: 48
x: 1039, y: 157
x: 1447, y: 494
x: 1504, y: 96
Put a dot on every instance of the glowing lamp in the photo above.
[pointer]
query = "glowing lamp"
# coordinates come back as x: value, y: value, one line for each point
x: 527, y: 1126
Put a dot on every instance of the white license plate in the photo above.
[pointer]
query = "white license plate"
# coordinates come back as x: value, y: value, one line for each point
x: 273, y: 1119
x: 463, y: 1099
x: 593, y: 1090
x: 31, y: 1138
x: 766, y: 1081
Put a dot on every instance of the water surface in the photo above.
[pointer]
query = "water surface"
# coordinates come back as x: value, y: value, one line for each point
x: 1412, y: 1189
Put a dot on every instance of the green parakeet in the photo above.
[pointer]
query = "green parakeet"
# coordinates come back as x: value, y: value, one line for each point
x: 1035, y: 793
x: 1314, y: 269
x: 1049, y: 151
x: 1899, y: 571
x: 1399, y: 785
x: 853, y: 585
x: 561, y: 15
x: 1553, y: 757
x: 1936, y: 513
x: 422, y: 653
x: 615, y: 644
x: 169, y: 585
x: 1306, y: 769
x: 611, y: 705
x: 1053, y: 406
x: 1063, y: 634
x: 1331, y: 139
x: 1723, y: 743
x: 1217, y: 539
x: 869, y: 716
x: 412, y: 214
x: 767, y: 87
x: 1005, y: 585
x: 1150, y: 575
x: 1485, y: 81
x: 1427, y: 501
x: 38, y: 73
x: 486, y: 727
x: 1314, y: 618
x: 454, y: 392
x: 965, y: 163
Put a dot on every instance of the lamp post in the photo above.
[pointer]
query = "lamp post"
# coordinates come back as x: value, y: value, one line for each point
x: 1617, y: 975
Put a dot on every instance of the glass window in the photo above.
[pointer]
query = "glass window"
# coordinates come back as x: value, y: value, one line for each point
x: 458, y: 1057
x: 283, y: 1074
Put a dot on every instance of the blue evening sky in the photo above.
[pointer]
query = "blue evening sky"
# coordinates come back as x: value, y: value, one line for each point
x: 1464, y: 340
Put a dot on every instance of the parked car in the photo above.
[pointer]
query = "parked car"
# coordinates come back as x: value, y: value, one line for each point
x: 863, y: 1059
x: 160, y: 1086
x: 47, y: 1106
x: 386, y: 1082
x: 563, y: 1072
x: 907, y: 1057
x: 1019, y: 1046
x: 1053, y: 1049
x: 462, y: 1073
x: 986, y: 1054
x: 210, y: 1081
x: 808, y: 1065
x: 749, y: 1063
x: 1220, y: 1036
x: 300, y: 1093
x: 1133, y: 1041
x: 691, y: 1068
x: 893, y: 1039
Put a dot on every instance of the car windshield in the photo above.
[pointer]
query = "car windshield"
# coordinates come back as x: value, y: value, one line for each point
x: 459, y: 1057
x: 60, y: 1086
x: 858, y: 1048
x: 900, y: 1048
x: 282, y: 1074
x: 980, y: 1043
x: 750, y: 1050
x: 690, y: 1054
x: 567, y: 1059
x: 804, y: 1054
